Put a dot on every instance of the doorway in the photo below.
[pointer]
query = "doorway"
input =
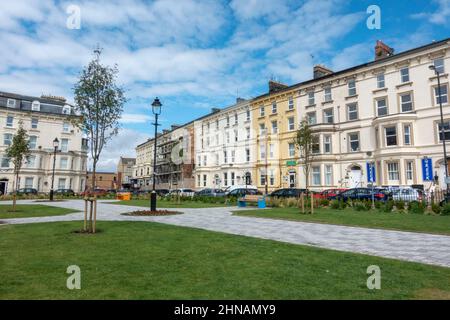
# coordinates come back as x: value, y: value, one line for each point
x: 355, y: 177
x: 3, y: 186
x: 292, y: 179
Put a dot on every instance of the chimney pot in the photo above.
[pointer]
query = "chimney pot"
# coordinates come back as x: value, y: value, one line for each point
x: 382, y: 50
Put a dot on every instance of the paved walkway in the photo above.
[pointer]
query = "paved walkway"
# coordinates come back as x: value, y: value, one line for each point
x: 409, y: 246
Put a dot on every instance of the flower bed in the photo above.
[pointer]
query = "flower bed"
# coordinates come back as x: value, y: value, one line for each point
x: 151, y: 213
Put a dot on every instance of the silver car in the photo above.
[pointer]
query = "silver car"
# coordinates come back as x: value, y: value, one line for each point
x: 406, y: 194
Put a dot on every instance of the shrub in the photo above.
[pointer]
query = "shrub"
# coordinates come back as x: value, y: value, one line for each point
x: 324, y: 202
x: 436, y: 208
x: 387, y: 206
x: 446, y: 210
x: 359, y: 206
x: 416, y: 207
x: 334, y: 204
x: 400, y: 205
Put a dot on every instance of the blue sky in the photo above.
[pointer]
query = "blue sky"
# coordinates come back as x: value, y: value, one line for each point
x: 196, y: 55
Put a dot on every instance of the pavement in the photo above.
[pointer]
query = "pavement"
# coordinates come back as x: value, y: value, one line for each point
x: 408, y: 246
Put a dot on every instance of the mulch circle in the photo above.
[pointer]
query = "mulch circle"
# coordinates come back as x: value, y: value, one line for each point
x: 87, y: 232
x: 151, y: 213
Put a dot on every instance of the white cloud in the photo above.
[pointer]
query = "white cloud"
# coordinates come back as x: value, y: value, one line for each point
x: 130, y: 118
x: 440, y: 16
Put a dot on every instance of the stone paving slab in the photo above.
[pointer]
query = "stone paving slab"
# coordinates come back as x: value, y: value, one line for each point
x: 408, y: 246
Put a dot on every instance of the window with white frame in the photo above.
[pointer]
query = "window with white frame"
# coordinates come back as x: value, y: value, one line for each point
x: 205, y: 160
x: 391, y: 136
x: 439, y: 65
x: 274, y: 107
x: 311, y: 117
x: 64, y: 145
x: 32, y: 142
x: 66, y: 127
x: 352, y: 111
x: 404, y: 74
x: 316, y: 175
x: 29, y: 182
x: 262, y: 111
x: 217, y: 159
x: 272, y: 177
x: 262, y: 178
x: 353, y: 140
x: 380, y: 81
x: 327, y: 94
x: 247, y: 155
x: 204, y: 180
x: 5, y: 162
x: 262, y: 129
x: 328, y: 174
x: 327, y: 144
x: 199, y: 162
x: 409, y: 170
x: 35, y: 106
x: 228, y: 120
x: 235, y: 118
x: 247, y: 115
x: 247, y: 132
x: 392, y: 170
x: 291, y: 150
x: 34, y: 123
x: 227, y: 134
x: 225, y: 157
x: 63, y: 161
x: 291, y: 103
x: 407, y: 134
x: 351, y: 87
x: 225, y: 178
x: 61, y: 183
x: 207, y: 141
x: 291, y: 124
x: 31, y: 161
x: 66, y: 109
x: 382, y: 109
x: 233, y: 156
x: 274, y: 126
x: 9, y: 121
x: 442, y: 95
x: 315, y: 146
x: 328, y: 116
x: 406, y: 102
x: 262, y: 151
x: 236, y: 136
x: 232, y: 178
x: 311, y: 98
x: 446, y: 129
x: 271, y: 151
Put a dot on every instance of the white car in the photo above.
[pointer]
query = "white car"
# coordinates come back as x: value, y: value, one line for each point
x: 231, y: 188
x: 406, y: 194
x: 182, y: 192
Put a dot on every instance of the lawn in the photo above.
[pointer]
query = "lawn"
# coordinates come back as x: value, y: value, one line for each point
x: 172, y: 204
x: 369, y: 219
x: 31, y: 210
x: 143, y: 260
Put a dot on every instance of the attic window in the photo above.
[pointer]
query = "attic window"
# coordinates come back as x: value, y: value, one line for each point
x: 66, y: 109
x: 36, y: 106
x: 11, y: 103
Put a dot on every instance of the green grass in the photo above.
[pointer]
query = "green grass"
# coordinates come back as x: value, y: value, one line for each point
x: 172, y: 204
x: 31, y: 210
x: 369, y: 219
x: 143, y: 260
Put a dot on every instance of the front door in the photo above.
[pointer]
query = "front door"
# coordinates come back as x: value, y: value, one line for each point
x: 354, y: 177
x: 292, y: 180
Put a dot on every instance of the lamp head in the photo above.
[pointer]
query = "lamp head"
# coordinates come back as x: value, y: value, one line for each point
x: 156, y: 106
x: 56, y: 143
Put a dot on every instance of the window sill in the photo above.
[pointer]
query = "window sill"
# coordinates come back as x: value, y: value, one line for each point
x: 290, y: 110
x: 310, y: 105
x: 379, y: 90
x: 327, y: 102
x: 351, y: 97
x: 405, y: 84
x: 445, y: 75
x: 273, y: 114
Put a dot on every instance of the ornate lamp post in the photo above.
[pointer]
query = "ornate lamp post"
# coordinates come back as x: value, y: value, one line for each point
x: 156, y: 109
x: 438, y: 74
x: 55, y: 146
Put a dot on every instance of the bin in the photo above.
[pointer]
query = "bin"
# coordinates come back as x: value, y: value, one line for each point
x: 124, y: 196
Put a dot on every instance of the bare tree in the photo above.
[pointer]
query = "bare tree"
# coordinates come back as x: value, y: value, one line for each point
x: 304, y: 142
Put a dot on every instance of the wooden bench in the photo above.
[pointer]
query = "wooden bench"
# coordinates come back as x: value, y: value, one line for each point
x: 250, y: 198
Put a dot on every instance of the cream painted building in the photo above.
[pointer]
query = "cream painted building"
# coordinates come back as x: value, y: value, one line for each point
x: 44, y: 119
x: 225, y: 147
x: 385, y: 112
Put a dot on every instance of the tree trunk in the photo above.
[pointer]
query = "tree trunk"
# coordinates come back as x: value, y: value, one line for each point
x: 16, y: 177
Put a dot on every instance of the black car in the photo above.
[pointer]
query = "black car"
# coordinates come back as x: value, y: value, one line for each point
x: 287, y: 193
x: 64, y: 192
x: 27, y: 191
x: 243, y: 191
x: 363, y: 194
x: 162, y: 192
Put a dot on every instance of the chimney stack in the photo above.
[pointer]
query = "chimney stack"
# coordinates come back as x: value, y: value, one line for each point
x: 239, y: 100
x: 276, y: 86
x: 382, y: 50
x: 321, y: 71
x: 214, y: 110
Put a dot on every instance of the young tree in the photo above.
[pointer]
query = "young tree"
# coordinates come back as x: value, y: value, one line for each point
x: 17, y: 152
x: 99, y: 102
x: 304, y: 141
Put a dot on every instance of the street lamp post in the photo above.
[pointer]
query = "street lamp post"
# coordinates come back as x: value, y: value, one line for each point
x: 156, y: 109
x: 55, y: 146
x: 438, y: 74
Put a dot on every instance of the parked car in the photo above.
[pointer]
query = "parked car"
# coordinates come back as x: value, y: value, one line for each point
x: 97, y: 192
x: 209, y: 192
x: 27, y: 191
x: 162, y: 192
x: 183, y: 192
x: 240, y: 192
x: 329, y: 193
x: 287, y: 193
x: 407, y: 194
x: 64, y: 192
x: 236, y: 187
x: 362, y: 194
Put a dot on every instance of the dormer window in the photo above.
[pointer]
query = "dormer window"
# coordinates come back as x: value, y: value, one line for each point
x: 36, y: 106
x: 66, y: 109
x: 11, y: 103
